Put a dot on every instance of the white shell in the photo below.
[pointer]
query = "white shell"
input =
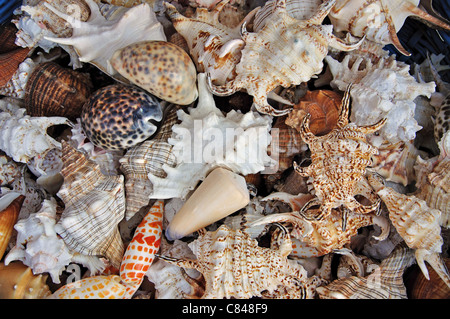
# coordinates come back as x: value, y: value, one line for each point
x: 381, y: 90
x: 16, y: 85
x: 97, y: 39
x: 197, y: 155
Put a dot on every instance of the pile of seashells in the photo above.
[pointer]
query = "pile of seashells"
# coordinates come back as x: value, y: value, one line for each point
x: 221, y: 149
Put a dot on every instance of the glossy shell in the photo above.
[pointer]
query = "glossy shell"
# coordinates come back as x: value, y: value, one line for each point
x: 8, y: 217
x: 118, y: 117
x: 162, y: 68
x: 52, y: 90
x: 97, y: 287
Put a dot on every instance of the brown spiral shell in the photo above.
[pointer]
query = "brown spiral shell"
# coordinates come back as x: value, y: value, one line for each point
x: 324, y: 107
x: 8, y: 218
x: 53, y: 90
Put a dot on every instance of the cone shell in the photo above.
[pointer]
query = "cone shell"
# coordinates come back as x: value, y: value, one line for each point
x: 52, y: 90
x: 18, y: 282
x: 8, y: 217
x: 162, y: 68
x: 97, y: 287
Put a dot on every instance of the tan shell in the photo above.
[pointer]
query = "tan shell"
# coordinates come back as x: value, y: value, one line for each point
x: 94, y: 204
x: 52, y: 90
x: 339, y: 161
x: 159, y: 67
x: 8, y: 217
x: 18, y: 282
x: 221, y: 256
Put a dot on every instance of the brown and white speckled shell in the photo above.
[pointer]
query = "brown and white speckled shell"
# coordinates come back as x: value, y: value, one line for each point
x: 159, y: 67
x: 234, y: 266
x: 339, y: 161
x: 285, y: 52
x: 118, y: 116
x: 418, y: 225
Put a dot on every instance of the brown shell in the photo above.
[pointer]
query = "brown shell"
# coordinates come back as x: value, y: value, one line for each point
x: 18, y: 282
x: 324, y: 107
x: 11, y: 55
x: 53, y: 90
x: 8, y: 218
x: 418, y: 287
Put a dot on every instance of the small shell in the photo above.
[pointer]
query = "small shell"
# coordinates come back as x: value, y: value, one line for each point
x: 10, y: 205
x: 117, y: 117
x: 96, y: 202
x: 18, y: 282
x: 324, y: 107
x: 141, y: 251
x: 52, y: 90
x: 96, y: 40
x: 159, y: 67
x: 97, y: 287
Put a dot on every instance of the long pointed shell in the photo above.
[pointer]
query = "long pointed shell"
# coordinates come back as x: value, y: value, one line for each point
x: 9, y: 212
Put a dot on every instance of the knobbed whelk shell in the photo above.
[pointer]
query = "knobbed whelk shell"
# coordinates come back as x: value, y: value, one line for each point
x: 219, y: 195
x: 118, y: 116
x: 10, y: 205
x: 159, y: 67
x: 52, y: 90
x: 18, y: 282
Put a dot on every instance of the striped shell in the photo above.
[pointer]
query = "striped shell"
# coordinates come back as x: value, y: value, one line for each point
x: 94, y: 204
x: 234, y: 266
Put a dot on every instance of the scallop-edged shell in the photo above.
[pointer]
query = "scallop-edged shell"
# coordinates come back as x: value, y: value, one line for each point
x: 384, y: 89
x: 395, y: 162
x: 418, y: 225
x: 96, y: 40
x: 214, y: 47
x: 10, y: 205
x: 18, y: 282
x: 24, y: 137
x: 94, y: 204
x: 298, y: 46
x: 52, y: 90
x: 147, y: 158
x: 338, y: 162
x: 379, y: 20
x: 323, y: 106
x: 95, y: 287
x: 386, y: 282
x: 159, y: 67
x: 221, y: 256
x: 235, y: 141
x: 118, y: 116
x: 38, y: 246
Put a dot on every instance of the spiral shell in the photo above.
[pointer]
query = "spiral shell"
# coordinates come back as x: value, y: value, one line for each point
x: 10, y: 208
x: 159, y: 67
x: 117, y: 117
x: 52, y: 90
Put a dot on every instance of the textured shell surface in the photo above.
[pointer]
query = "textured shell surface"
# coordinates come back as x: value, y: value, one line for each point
x: 379, y: 20
x: 242, y: 269
x: 96, y: 287
x: 421, y: 288
x: 24, y: 137
x: 9, y: 170
x: 324, y: 108
x: 38, y: 245
x: 205, y: 125
x: 298, y: 45
x: 52, y: 90
x: 338, y: 161
x: 418, y: 225
x: 10, y: 205
x: 386, y: 282
x: 18, y: 282
x: 15, y: 87
x: 94, y: 204
x: 140, y: 252
x: 96, y: 40
x: 384, y: 89
x: 118, y: 116
x: 159, y: 67
x: 214, y: 47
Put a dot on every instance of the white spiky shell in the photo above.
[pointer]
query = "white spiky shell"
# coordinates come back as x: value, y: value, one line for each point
x: 15, y: 87
x: 24, y: 137
x: 96, y: 40
x: 246, y: 155
x: 381, y: 90
x: 38, y: 245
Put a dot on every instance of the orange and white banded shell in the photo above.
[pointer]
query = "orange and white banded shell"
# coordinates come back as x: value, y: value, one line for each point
x: 96, y: 287
x: 10, y: 205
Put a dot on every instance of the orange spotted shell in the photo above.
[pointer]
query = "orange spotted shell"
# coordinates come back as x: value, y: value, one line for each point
x: 324, y: 107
